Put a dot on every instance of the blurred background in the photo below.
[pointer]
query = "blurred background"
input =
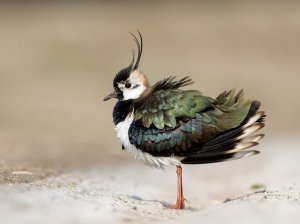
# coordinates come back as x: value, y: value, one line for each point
x: 58, y: 60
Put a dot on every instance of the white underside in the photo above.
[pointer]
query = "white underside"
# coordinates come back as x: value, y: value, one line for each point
x: 157, y: 162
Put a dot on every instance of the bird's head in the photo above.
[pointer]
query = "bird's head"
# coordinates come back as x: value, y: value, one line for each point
x: 129, y: 83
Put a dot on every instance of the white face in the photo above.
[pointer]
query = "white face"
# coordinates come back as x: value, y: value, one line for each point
x: 134, y: 86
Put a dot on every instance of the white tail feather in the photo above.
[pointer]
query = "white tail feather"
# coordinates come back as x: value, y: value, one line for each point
x: 245, y: 140
x: 250, y: 130
x: 254, y: 138
x: 255, y: 118
x: 242, y: 146
x: 239, y: 155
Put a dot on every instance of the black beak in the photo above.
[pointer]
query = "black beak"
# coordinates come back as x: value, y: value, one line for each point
x: 110, y: 96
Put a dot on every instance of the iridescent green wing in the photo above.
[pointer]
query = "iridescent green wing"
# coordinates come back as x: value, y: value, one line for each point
x: 162, y: 108
x: 181, y: 122
x: 229, y: 111
x: 187, y: 134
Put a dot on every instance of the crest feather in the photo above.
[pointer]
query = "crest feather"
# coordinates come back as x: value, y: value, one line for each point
x: 170, y: 83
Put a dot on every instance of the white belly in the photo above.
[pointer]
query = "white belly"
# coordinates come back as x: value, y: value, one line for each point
x: 158, y: 162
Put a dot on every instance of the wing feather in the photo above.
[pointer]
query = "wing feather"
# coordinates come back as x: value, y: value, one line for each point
x: 174, y: 122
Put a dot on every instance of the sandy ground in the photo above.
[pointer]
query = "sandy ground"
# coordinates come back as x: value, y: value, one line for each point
x: 261, y: 189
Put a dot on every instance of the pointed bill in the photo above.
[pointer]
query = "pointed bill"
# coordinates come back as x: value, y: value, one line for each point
x: 110, y: 96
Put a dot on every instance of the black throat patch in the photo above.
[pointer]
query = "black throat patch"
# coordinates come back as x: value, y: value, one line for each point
x: 121, y: 110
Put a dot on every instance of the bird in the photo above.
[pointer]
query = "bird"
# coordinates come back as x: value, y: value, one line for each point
x: 164, y: 125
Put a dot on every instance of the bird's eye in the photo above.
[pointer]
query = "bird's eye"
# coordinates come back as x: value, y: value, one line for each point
x: 127, y: 85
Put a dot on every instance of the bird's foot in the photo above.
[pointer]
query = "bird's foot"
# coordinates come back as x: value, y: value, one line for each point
x: 180, y: 204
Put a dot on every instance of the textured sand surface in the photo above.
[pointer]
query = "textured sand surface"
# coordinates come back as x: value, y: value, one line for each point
x: 261, y: 189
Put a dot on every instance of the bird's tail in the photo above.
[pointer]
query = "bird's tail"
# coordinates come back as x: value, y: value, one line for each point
x: 233, y: 143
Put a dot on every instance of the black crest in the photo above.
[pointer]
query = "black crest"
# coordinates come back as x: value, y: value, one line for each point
x: 123, y: 75
x: 140, y: 50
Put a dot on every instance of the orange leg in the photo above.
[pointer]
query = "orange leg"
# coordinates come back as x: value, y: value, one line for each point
x: 180, y: 199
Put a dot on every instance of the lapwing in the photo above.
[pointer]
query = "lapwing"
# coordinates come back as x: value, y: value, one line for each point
x: 163, y: 125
